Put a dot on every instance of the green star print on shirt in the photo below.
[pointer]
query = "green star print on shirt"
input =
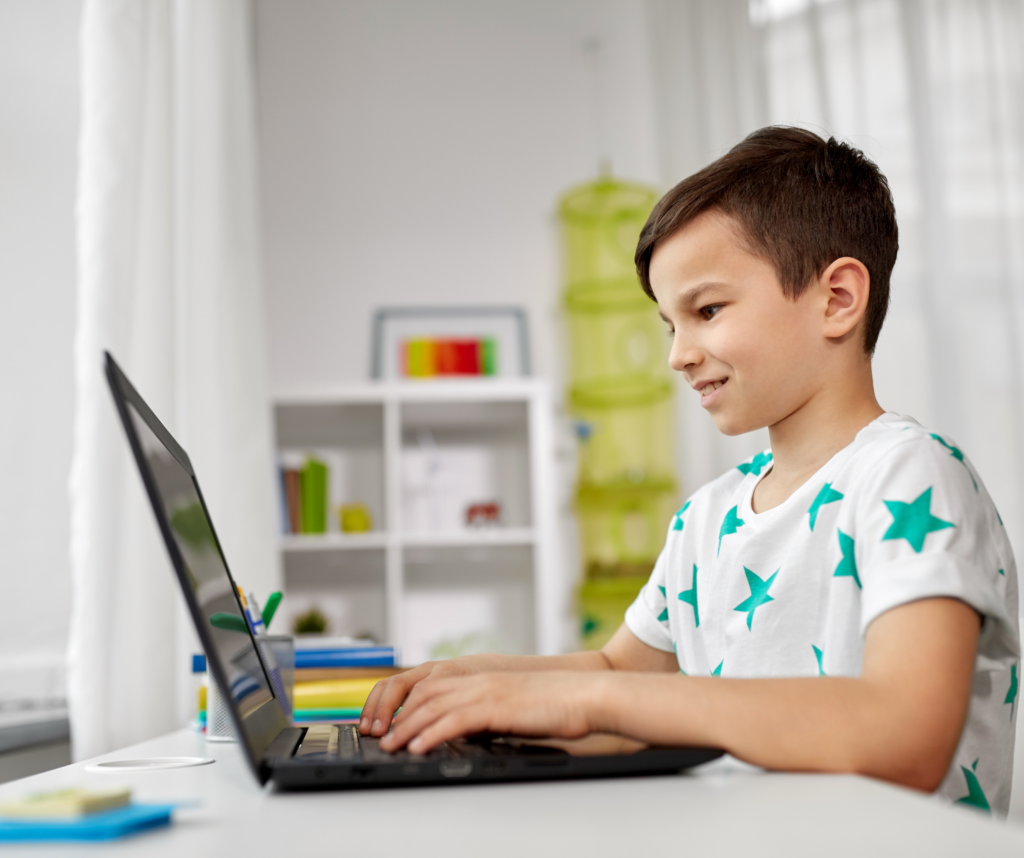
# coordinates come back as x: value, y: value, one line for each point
x: 755, y: 465
x: 914, y: 521
x: 957, y: 454
x: 663, y: 616
x: 826, y: 495
x: 758, y: 594
x: 848, y: 565
x: 677, y: 522
x: 975, y: 794
x: 1011, y: 694
x: 819, y: 655
x: 730, y: 524
x: 690, y: 597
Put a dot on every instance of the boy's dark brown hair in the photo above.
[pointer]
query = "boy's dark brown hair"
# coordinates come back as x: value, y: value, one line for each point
x: 800, y: 202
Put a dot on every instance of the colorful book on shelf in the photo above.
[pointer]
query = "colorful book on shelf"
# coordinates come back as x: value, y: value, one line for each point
x: 360, y: 656
x: 313, y: 493
x: 293, y: 498
x: 304, y: 495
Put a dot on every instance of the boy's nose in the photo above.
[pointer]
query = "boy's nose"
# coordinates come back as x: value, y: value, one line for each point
x: 683, y: 356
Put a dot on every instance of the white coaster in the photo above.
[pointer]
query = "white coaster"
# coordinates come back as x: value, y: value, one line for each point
x: 148, y: 765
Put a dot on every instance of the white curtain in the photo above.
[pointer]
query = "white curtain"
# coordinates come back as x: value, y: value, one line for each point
x: 933, y: 91
x: 169, y: 282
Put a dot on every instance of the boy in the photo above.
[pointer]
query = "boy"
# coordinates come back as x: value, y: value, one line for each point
x: 844, y: 602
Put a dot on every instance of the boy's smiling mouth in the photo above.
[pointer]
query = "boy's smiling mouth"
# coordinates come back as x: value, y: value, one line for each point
x: 708, y: 390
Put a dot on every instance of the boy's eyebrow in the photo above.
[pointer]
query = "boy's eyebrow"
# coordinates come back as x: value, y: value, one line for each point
x: 693, y: 295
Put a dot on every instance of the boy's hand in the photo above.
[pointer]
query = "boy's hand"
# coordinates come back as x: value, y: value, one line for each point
x: 545, y: 703
x: 389, y: 694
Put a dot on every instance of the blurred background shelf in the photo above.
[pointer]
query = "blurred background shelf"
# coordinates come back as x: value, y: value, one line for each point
x: 418, y: 455
x: 296, y: 542
x: 470, y: 538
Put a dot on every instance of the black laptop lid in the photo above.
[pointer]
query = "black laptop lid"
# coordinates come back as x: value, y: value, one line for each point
x: 232, y: 656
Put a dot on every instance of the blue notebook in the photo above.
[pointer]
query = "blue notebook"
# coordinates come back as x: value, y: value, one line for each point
x: 111, y: 824
x: 364, y: 656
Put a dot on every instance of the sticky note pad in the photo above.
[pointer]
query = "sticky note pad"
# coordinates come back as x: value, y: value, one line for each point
x: 132, y: 819
x: 65, y: 803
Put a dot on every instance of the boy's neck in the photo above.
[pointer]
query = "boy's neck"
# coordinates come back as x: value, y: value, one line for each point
x: 805, y: 440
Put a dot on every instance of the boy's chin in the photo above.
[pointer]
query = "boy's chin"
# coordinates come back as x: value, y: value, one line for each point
x: 730, y: 425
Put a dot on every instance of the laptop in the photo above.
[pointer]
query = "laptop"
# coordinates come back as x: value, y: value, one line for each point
x: 323, y: 756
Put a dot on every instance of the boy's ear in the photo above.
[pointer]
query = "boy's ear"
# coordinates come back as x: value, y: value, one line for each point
x: 846, y: 284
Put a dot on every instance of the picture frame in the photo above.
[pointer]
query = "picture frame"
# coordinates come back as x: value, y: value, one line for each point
x: 405, y: 340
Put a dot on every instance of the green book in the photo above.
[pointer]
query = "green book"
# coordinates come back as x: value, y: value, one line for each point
x: 313, y: 488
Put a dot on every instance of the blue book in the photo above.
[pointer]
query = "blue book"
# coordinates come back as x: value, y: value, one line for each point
x: 363, y: 656
x: 109, y: 825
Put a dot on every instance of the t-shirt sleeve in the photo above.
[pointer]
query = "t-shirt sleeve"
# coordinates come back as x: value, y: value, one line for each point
x: 647, y: 617
x: 925, y: 528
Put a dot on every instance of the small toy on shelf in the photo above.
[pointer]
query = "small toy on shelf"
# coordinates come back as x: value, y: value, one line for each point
x: 483, y: 514
x: 355, y: 518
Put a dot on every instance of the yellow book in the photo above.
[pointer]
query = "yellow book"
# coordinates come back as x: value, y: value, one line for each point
x: 334, y: 693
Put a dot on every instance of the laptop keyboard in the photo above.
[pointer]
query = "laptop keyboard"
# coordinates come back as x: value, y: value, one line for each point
x: 342, y: 742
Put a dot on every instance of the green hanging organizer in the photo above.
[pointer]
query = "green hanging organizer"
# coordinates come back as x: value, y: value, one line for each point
x: 621, y: 397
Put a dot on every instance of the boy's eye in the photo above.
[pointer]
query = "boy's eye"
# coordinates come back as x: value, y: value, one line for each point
x: 710, y: 311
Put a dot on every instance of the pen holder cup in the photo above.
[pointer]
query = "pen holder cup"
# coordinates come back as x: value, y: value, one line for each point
x: 278, y: 654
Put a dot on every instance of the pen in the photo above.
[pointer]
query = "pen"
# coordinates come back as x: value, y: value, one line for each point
x: 252, y: 611
x: 269, y: 609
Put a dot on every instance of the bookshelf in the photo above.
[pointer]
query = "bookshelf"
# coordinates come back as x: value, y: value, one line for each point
x: 415, y: 454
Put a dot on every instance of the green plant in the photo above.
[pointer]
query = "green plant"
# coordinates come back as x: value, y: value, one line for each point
x: 311, y: 622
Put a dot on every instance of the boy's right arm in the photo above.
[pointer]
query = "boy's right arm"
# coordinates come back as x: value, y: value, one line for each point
x: 624, y: 651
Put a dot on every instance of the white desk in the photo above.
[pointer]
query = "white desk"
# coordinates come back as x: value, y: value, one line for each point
x: 720, y: 810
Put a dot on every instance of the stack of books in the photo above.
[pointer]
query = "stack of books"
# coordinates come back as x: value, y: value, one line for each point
x: 334, y: 676
x: 304, y: 497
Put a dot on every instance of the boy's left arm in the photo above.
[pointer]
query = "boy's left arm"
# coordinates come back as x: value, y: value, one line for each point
x: 899, y: 721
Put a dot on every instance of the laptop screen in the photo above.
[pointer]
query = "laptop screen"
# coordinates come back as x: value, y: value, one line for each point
x: 207, y: 574
x: 202, y: 571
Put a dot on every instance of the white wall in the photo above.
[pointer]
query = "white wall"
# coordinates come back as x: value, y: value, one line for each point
x: 38, y: 127
x: 413, y: 153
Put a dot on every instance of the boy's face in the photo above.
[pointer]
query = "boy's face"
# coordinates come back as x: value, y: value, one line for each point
x: 753, y: 355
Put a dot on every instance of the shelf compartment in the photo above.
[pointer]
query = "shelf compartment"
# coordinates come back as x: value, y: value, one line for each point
x: 349, y: 438
x: 459, y: 601
x: 456, y: 454
x: 347, y: 586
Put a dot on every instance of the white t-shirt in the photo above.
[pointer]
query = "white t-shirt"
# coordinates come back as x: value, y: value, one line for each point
x: 897, y: 516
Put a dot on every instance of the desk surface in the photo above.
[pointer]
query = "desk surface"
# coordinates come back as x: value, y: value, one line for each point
x: 722, y: 809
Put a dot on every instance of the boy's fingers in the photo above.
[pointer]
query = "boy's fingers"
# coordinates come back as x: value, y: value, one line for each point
x: 462, y: 722
x: 369, y: 706
x: 393, y: 693
x: 414, y: 722
x: 392, y: 696
x: 427, y: 712
x: 423, y: 692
